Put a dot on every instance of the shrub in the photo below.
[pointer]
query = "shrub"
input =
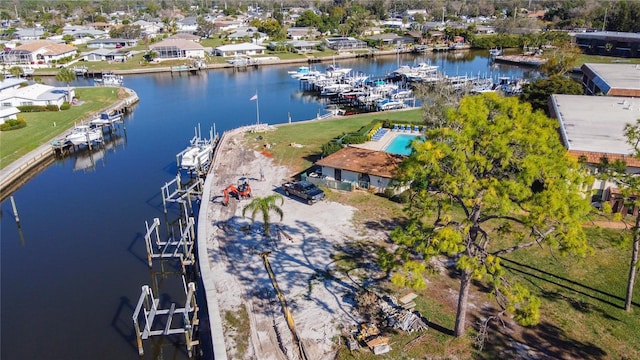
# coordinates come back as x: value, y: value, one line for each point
x: 355, y: 139
x: 330, y: 147
x: 53, y: 108
x: 13, y: 124
x: 32, y: 108
x: 65, y: 106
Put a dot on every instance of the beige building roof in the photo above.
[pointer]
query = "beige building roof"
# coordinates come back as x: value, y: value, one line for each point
x: 371, y: 162
x: 51, y: 48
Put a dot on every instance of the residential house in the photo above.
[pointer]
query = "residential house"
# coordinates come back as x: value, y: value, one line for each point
x: 388, y: 39
x: 36, y: 94
x: 302, y: 33
x: 178, y: 49
x: 345, y: 43
x: 187, y: 25
x: 149, y: 29
x: 304, y: 46
x: 104, y: 54
x: 29, y: 34
x: 248, y: 32
x: 111, y: 43
x: 39, y: 51
x: 185, y: 36
x: 363, y: 168
x: 226, y: 24
x: 239, y: 49
x: 592, y: 129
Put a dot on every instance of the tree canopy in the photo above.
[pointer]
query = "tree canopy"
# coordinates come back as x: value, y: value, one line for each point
x: 491, y: 178
x: 537, y: 92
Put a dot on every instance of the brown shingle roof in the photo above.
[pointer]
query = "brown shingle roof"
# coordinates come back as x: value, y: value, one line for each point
x: 592, y: 157
x: 378, y: 163
x: 52, y: 48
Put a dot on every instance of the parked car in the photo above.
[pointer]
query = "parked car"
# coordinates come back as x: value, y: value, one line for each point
x: 304, y: 190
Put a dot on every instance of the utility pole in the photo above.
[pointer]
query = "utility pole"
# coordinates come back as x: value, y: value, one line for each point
x: 604, y: 23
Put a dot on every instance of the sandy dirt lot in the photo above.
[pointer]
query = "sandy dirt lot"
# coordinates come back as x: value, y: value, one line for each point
x: 320, y: 307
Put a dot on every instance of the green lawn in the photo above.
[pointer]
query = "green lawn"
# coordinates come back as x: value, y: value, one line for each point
x: 312, y: 135
x: 42, y: 127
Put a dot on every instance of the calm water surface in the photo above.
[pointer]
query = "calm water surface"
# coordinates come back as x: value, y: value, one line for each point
x: 71, y: 275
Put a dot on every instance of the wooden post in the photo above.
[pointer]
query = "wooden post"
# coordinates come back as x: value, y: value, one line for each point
x: 15, y: 210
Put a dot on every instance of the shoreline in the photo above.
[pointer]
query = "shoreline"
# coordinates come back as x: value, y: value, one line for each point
x: 225, y: 65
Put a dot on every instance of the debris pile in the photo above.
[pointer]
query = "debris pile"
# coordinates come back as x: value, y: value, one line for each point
x: 386, y: 311
x: 400, y: 316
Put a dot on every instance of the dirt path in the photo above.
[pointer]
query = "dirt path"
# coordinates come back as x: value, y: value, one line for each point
x: 318, y: 304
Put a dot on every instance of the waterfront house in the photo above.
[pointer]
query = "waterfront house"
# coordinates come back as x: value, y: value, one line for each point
x: 39, y: 51
x: 345, y: 43
x: 178, y: 49
x: 239, y: 49
x: 363, y: 168
x: 36, y: 94
x: 104, y: 54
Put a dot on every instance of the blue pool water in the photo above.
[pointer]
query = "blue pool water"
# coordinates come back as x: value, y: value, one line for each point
x: 400, y: 145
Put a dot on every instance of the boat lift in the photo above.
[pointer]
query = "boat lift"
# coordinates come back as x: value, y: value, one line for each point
x: 173, y: 191
x: 149, y: 304
x: 182, y: 249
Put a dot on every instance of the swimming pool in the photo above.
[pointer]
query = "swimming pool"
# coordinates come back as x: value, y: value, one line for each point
x: 400, y: 145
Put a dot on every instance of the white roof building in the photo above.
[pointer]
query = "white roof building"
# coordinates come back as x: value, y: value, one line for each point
x: 36, y: 94
x: 239, y: 49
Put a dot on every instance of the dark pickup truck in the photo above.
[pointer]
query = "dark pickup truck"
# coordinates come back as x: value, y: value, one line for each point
x: 304, y: 190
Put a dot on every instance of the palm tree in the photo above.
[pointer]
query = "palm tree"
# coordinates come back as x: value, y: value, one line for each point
x: 66, y: 76
x: 265, y: 205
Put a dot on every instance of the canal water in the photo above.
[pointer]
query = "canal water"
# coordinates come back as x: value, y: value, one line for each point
x: 71, y: 273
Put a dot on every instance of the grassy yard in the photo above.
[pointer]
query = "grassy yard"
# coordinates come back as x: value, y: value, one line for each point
x: 312, y: 135
x: 582, y: 299
x: 42, y: 127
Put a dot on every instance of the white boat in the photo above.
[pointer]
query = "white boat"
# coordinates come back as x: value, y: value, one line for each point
x: 109, y: 79
x: 335, y: 70
x: 27, y: 71
x: 105, y: 119
x: 305, y: 73
x: 84, y: 134
x: 80, y: 70
x: 495, y: 52
x: 198, y: 154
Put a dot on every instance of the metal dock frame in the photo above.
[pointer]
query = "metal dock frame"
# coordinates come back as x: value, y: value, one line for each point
x: 149, y: 304
x: 174, y: 192
x: 182, y: 249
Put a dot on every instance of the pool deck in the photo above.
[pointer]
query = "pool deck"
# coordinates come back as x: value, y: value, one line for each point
x: 381, y: 144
